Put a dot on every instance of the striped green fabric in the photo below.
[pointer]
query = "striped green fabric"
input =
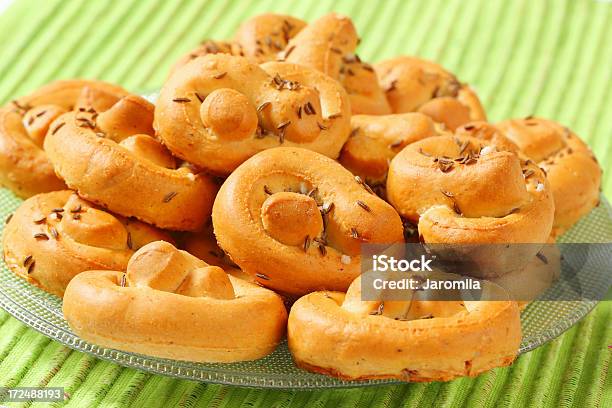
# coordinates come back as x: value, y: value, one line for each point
x: 549, y: 58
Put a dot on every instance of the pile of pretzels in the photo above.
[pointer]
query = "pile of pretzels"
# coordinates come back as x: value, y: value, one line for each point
x: 230, y: 213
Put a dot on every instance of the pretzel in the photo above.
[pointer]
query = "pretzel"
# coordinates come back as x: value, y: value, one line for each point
x: 328, y: 44
x: 219, y: 110
x: 259, y: 38
x: 462, y: 190
x: 112, y: 159
x: 296, y: 220
x: 375, y: 140
x: 413, y: 340
x: 24, y: 166
x: 571, y: 167
x: 170, y: 304
x: 54, y: 236
x: 415, y: 85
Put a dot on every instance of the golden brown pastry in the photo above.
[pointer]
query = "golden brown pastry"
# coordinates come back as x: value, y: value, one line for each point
x: 219, y: 110
x: 375, y: 140
x: 328, y: 44
x: 264, y: 36
x: 296, y: 220
x: 413, y: 340
x: 24, y: 122
x: 112, y: 159
x: 415, y: 85
x: 170, y: 304
x: 260, y: 38
x: 203, y: 245
x: 463, y: 190
x: 570, y: 166
x: 208, y: 47
x: 54, y: 236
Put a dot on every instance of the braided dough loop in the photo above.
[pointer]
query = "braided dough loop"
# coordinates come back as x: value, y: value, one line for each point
x: 52, y: 237
x: 24, y: 166
x: 328, y: 44
x: 112, y: 159
x: 413, y: 84
x: 271, y: 200
x: 171, y: 304
x: 463, y: 190
x: 571, y: 167
x: 246, y: 108
x: 342, y: 336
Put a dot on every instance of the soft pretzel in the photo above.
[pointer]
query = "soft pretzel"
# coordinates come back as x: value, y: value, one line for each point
x: 571, y: 167
x: 170, y: 304
x: 54, y: 236
x: 462, y: 190
x: 415, y: 85
x: 328, y: 44
x: 111, y: 158
x: 24, y: 166
x: 260, y: 38
x: 219, y: 110
x: 414, y: 340
x: 296, y: 220
x: 376, y: 139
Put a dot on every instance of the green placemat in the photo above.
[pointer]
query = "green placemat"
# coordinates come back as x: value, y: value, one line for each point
x: 551, y: 58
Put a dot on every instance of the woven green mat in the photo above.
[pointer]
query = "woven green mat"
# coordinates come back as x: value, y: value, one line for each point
x: 550, y: 58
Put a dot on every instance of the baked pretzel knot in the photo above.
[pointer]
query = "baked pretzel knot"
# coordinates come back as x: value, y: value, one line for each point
x: 296, y: 220
x: 413, y: 340
x: 415, y: 85
x: 24, y: 166
x: 328, y: 45
x: 219, y: 110
x: 571, y: 167
x: 54, y: 236
x: 107, y: 152
x: 171, y: 304
x: 463, y: 190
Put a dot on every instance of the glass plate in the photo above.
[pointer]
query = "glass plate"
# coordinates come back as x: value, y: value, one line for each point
x: 541, y: 321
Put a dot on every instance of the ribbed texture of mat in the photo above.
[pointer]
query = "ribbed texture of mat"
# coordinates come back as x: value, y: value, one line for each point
x: 552, y: 59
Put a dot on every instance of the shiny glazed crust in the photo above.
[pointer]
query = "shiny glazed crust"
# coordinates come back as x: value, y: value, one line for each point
x: 415, y: 85
x: 24, y: 166
x: 376, y: 139
x: 328, y: 44
x: 219, y: 110
x: 95, y: 155
x: 54, y: 236
x: 339, y: 335
x: 461, y: 189
x: 296, y: 220
x: 260, y: 38
x: 170, y: 304
x: 572, y: 169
